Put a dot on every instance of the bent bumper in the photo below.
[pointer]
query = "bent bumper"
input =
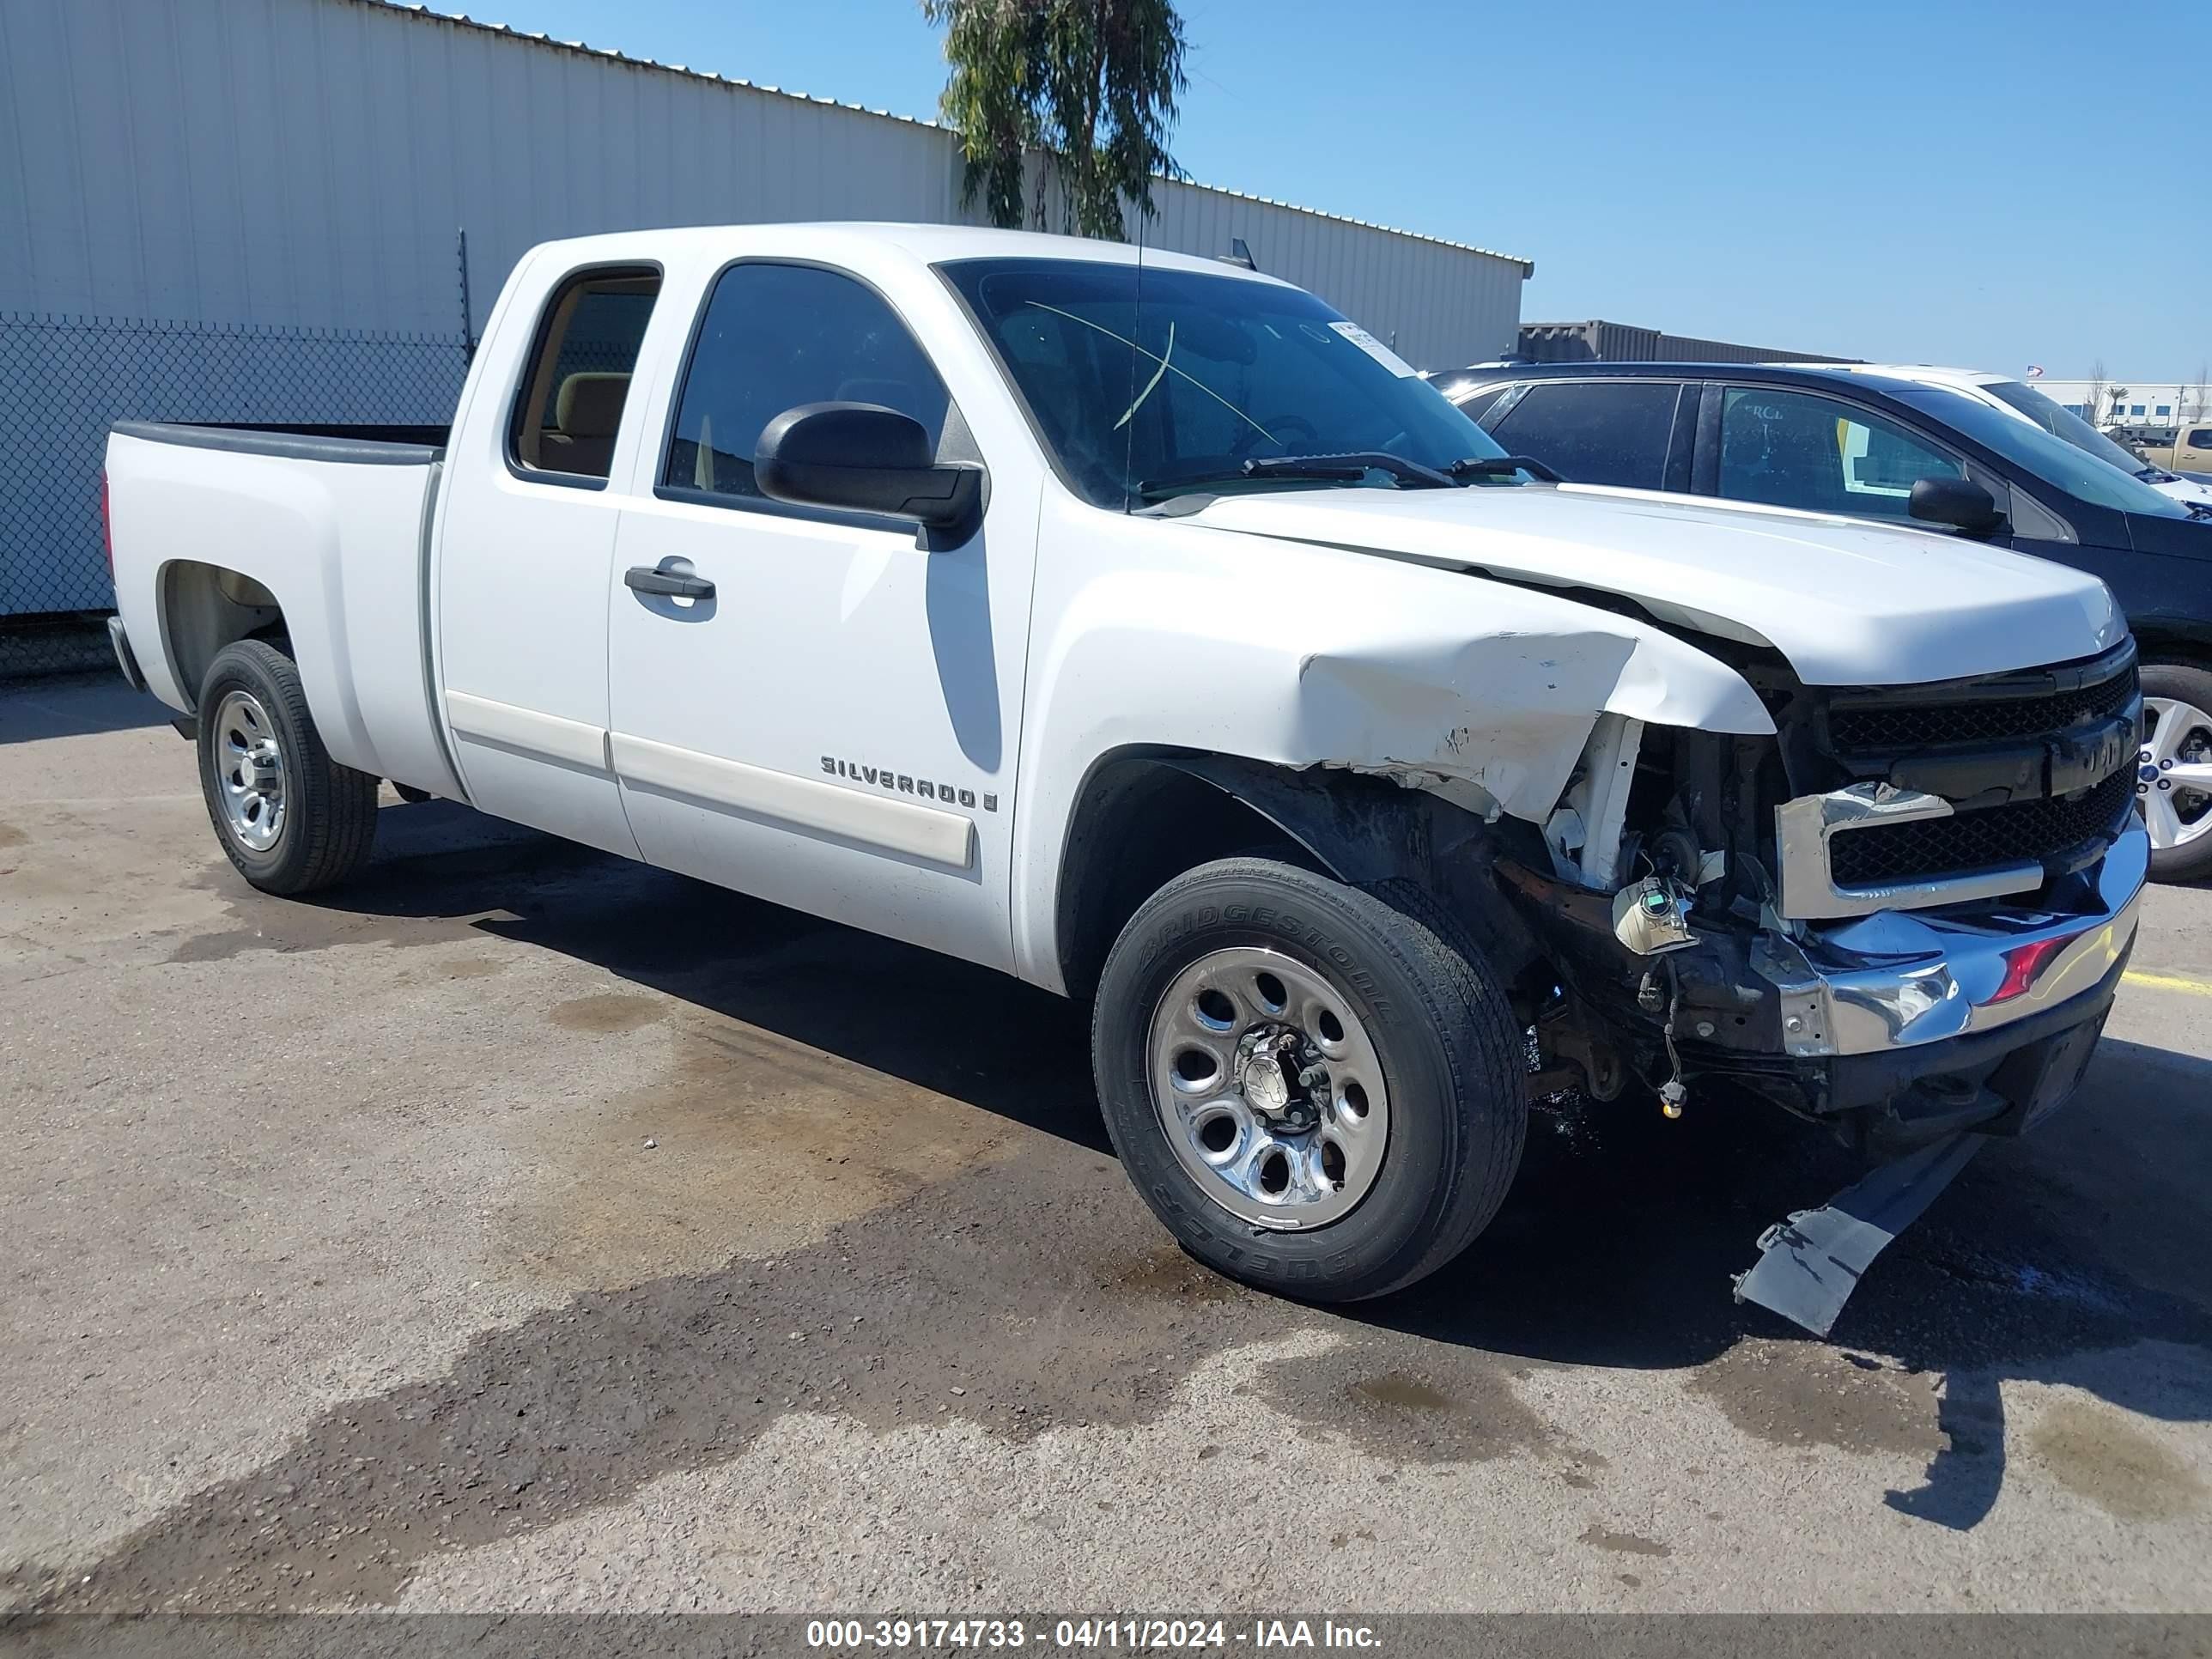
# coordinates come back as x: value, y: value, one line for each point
x: 1905, y: 979
x: 1897, y: 1029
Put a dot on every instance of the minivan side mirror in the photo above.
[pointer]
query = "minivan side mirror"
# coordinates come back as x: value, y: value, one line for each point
x: 1960, y: 502
x: 863, y: 458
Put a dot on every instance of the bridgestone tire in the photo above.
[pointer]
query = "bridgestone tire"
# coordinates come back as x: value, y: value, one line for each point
x: 330, y: 821
x: 1440, y: 1022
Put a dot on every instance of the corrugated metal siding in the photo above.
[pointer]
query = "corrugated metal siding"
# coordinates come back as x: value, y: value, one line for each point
x: 1601, y: 342
x: 307, y: 163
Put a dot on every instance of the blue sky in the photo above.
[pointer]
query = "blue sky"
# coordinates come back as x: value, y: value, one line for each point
x: 1984, y: 183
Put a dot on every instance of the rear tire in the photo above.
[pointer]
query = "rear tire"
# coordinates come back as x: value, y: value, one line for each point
x: 1345, y: 990
x: 290, y: 817
x: 2178, y: 709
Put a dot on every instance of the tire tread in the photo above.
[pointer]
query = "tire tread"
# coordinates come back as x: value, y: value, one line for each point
x: 335, y: 811
x: 1461, y: 1003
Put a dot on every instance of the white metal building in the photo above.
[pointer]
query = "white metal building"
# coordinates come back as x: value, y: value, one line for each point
x: 308, y: 162
x: 2122, y: 402
x: 254, y: 210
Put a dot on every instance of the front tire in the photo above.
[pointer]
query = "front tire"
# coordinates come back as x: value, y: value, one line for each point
x: 290, y: 817
x: 2174, y: 784
x: 1313, y: 1090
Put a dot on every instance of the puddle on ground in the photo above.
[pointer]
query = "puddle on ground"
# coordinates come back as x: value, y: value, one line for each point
x: 1796, y: 1394
x: 608, y: 1014
x: 985, y: 1298
x: 439, y: 871
x: 1460, y: 1408
x: 757, y: 1142
x: 2096, y: 1453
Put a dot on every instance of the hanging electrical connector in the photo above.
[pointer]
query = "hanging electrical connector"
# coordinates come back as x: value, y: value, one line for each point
x: 1672, y: 1092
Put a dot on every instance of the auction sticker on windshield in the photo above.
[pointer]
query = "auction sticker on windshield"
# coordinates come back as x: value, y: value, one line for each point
x: 1374, y: 348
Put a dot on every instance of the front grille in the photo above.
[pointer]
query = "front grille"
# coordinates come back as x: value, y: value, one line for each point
x: 1891, y: 728
x: 1927, y: 848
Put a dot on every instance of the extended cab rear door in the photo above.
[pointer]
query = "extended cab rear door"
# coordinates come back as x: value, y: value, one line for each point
x: 832, y: 722
x: 526, y: 533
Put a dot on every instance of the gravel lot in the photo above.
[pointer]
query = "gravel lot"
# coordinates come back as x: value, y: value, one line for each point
x: 523, y: 1229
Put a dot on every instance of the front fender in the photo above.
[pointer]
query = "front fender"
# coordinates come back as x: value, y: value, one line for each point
x: 1295, y: 656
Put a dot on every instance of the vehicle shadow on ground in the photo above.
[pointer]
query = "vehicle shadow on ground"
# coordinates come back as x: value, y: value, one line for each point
x: 911, y: 1014
x: 1617, y: 1246
x: 72, y: 705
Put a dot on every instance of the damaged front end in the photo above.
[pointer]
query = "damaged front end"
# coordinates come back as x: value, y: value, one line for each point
x: 1903, y: 917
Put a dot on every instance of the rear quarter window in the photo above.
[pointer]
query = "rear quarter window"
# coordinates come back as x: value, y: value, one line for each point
x: 1598, y: 431
x: 576, y: 385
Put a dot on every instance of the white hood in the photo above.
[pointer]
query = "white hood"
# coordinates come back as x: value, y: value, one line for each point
x: 2182, y: 488
x: 1848, y: 603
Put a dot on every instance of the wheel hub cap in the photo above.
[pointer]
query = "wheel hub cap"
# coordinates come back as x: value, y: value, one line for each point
x: 2173, y: 776
x: 250, y: 771
x: 1270, y: 1091
x: 1265, y: 1086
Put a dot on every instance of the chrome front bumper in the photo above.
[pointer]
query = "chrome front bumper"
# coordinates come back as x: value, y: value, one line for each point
x: 1899, y: 978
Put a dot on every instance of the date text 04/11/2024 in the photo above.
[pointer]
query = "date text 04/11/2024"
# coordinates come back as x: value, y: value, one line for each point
x: 1142, y: 1634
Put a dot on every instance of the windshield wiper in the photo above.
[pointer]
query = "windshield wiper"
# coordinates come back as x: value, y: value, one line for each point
x: 1349, y: 467
x: 1353, y: 464
x: 1485, y: 466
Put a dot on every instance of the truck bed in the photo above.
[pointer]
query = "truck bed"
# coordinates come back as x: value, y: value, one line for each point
x: 331, y: 524
x: 360, y: 444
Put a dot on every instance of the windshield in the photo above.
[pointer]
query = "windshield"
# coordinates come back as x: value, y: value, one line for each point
x: 1141, y: 402
x: 2064, y: 423
x: 2052, y: 459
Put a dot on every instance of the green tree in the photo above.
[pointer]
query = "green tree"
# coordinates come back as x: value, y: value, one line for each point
x: 1091, y: 85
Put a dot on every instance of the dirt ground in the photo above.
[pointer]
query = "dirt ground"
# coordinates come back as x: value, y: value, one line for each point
x: 521, y: 1228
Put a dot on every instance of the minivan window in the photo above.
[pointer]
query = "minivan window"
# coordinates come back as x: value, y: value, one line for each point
x: 571, y: 401
x: 1603, y: 432
x: 1800, y: 449
x: 1147, y: 384
x: 2037, y: 453
x: 774, y: 336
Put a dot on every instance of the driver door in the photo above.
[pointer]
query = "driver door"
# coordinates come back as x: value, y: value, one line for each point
x: 833, y: 726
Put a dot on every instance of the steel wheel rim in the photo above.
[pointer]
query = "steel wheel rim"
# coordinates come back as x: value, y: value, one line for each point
x: 250, y: 770
x: 2174, y: 772
x: 1231, y: 1055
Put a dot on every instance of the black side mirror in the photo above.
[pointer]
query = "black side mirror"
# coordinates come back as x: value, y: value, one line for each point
x: 1960, y: 502
x: 864, y: 457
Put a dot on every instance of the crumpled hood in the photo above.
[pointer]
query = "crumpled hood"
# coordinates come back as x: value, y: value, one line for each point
x: 1848, y: 603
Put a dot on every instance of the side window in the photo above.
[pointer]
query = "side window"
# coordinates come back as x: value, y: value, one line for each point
x: 1481, y: 403
x: 571, y: 402
x: 1799, y: 449
x: 1607, y: 432
x: 774, y: 336
x: 2201, y: 438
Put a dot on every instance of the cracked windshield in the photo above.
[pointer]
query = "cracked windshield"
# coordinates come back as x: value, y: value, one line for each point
x: 1210, y: 383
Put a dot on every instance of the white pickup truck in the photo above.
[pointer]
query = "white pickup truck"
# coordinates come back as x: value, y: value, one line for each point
x: 1138, y: 626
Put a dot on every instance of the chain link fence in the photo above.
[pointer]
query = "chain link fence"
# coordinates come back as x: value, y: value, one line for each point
x: 64, y: 380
